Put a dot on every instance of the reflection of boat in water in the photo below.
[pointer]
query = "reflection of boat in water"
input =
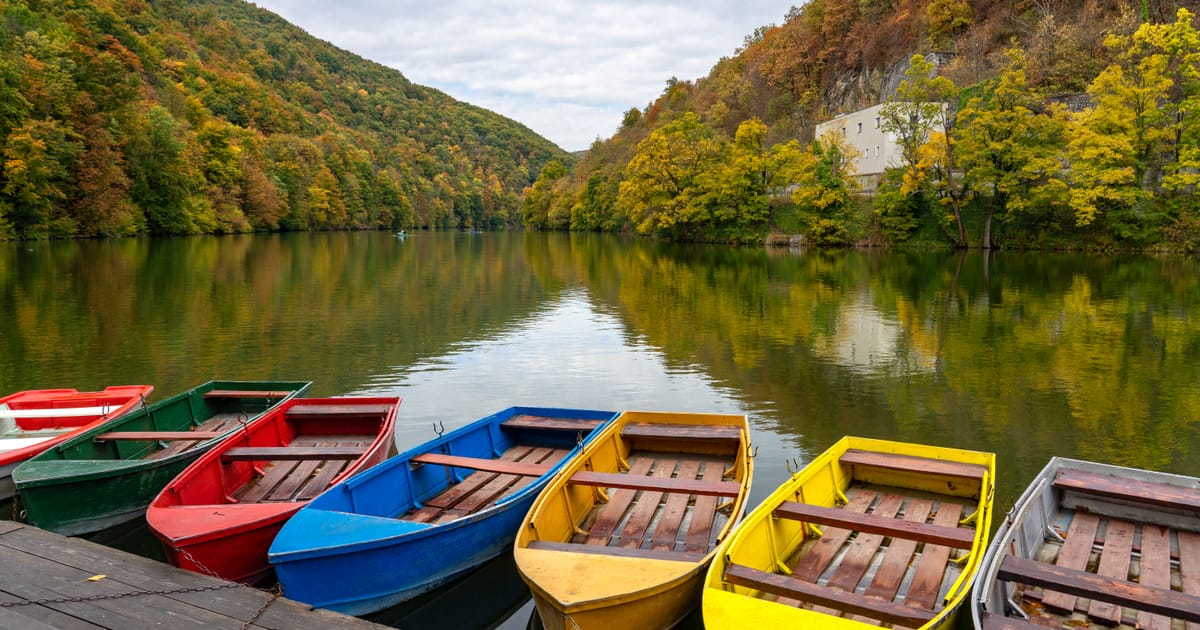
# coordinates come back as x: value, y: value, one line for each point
x: 490, y: 597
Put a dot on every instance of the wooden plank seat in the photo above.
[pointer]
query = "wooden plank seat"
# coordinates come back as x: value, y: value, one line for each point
x: 909, y: 463
x: 543, y: 423
x: 957, y: 537
x: 1155, y: 494
x: 165, y: 436
x: 292, y: 453
x: 657, y: 484
x: 705, y: 432
x: 1115, y: 591
x: 624, y: 552
x: 482, y: 463
x: 247, y: 393
x: 837, y: 599
x: 997, y: 622
x: 343, y: 411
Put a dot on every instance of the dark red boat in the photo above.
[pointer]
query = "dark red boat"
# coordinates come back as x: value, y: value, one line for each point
x: 221, y: 513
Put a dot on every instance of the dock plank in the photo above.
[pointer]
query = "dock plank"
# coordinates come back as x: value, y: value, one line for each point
x: 1114, y: 563
x: 1073, y: 555
x: 228, y: 606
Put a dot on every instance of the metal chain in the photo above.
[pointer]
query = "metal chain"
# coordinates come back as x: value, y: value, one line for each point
x: 101, y: 596
x: 199, y: 565
x: 276, y: 592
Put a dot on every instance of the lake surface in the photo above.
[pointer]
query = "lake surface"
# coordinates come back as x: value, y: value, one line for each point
x: 1026, y: 355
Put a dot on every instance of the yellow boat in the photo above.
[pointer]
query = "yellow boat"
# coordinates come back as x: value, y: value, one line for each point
x: 620, y: 538
x: 870, y: 533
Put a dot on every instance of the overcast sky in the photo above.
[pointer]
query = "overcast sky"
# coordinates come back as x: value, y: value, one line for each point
x: 566, y: 69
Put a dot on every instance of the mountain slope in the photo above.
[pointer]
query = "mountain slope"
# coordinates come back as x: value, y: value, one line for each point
x: 217, y: 116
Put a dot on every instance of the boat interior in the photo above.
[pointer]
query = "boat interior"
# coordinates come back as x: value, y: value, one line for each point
x: 883, y: 552
x: 1104, y: 552
x: 670, y: 498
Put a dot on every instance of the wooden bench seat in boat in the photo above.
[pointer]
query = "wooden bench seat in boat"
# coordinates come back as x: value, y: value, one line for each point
x: 247, y: 393
x: 165, y: 436
x: 292, y: 453
x: 543, y: 423
x: 957, y: 537
x: 342, y: 411
x: 792, y: 588
x: 1119, y: 592
x: 1159, y: 495
x: 702, y: 432
x: 504, y: 466
x: 909, y: 463
x: 624, y: 552
x: 586, y: 477
x: 997, y: 622
x: 658, y: 484
x: 299, y: 480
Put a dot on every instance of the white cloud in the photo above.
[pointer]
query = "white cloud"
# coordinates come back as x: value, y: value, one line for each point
x: 568, y: 70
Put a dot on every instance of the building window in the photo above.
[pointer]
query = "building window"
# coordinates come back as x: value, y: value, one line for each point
x: 859, y: 127
x: 876, y: 122
x: 876, y: 150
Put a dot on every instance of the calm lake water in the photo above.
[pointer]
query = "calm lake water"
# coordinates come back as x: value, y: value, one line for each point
x: 1026, y: 355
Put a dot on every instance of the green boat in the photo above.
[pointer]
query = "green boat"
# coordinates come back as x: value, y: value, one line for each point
x: 110, y: 474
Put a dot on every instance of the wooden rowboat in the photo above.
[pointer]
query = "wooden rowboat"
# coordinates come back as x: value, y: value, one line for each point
x: 621, y: 537
x: 427, y: 515
x: 1090, y: 545
x: 33, y: 421
x: 221, y: 513
x: 870, y: 533
x: 108, y: 474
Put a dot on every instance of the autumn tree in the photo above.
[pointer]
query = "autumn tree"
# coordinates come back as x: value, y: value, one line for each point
x: 37, y: 176
x: 1009, y: 149
x: 825, y: 189
x: 920, y: 116
x: 661, y: 192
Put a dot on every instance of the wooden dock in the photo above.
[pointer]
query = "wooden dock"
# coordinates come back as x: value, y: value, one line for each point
x: 51, y: 581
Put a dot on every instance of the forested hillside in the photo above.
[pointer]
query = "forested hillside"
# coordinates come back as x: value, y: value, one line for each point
x: 1069, y: 124
x: 213, y: 116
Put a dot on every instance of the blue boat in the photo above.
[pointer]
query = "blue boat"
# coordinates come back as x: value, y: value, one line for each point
x: 426, y: 516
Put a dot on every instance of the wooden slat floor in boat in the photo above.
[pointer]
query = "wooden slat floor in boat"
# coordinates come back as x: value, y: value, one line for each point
x: 299, y: 480
x: 218, y: 422
x: 891, y: 569
x: 1148, y: 554
x: 657, y: 520
x: 482, y: 488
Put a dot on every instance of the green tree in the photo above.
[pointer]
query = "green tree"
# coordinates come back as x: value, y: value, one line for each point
x: 539, y: 197
x: 1008, y: 149
x: 162, y: 183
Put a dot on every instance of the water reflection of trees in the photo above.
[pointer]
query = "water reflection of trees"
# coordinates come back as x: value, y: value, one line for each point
x: 1029, y: 355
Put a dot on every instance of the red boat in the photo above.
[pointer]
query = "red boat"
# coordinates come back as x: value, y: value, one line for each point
x: 221, y: 513
x: 34, y: 420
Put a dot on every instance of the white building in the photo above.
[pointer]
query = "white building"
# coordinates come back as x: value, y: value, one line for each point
x: 877, y: 149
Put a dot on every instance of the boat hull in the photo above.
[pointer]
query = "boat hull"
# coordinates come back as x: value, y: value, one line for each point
x: 358, y: 547
x: 1075, y: 526
x: 81, y: 411
x: 884, y: 491
x: 219, y: 517
x: 647, y: 573
x: 85, y: 485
